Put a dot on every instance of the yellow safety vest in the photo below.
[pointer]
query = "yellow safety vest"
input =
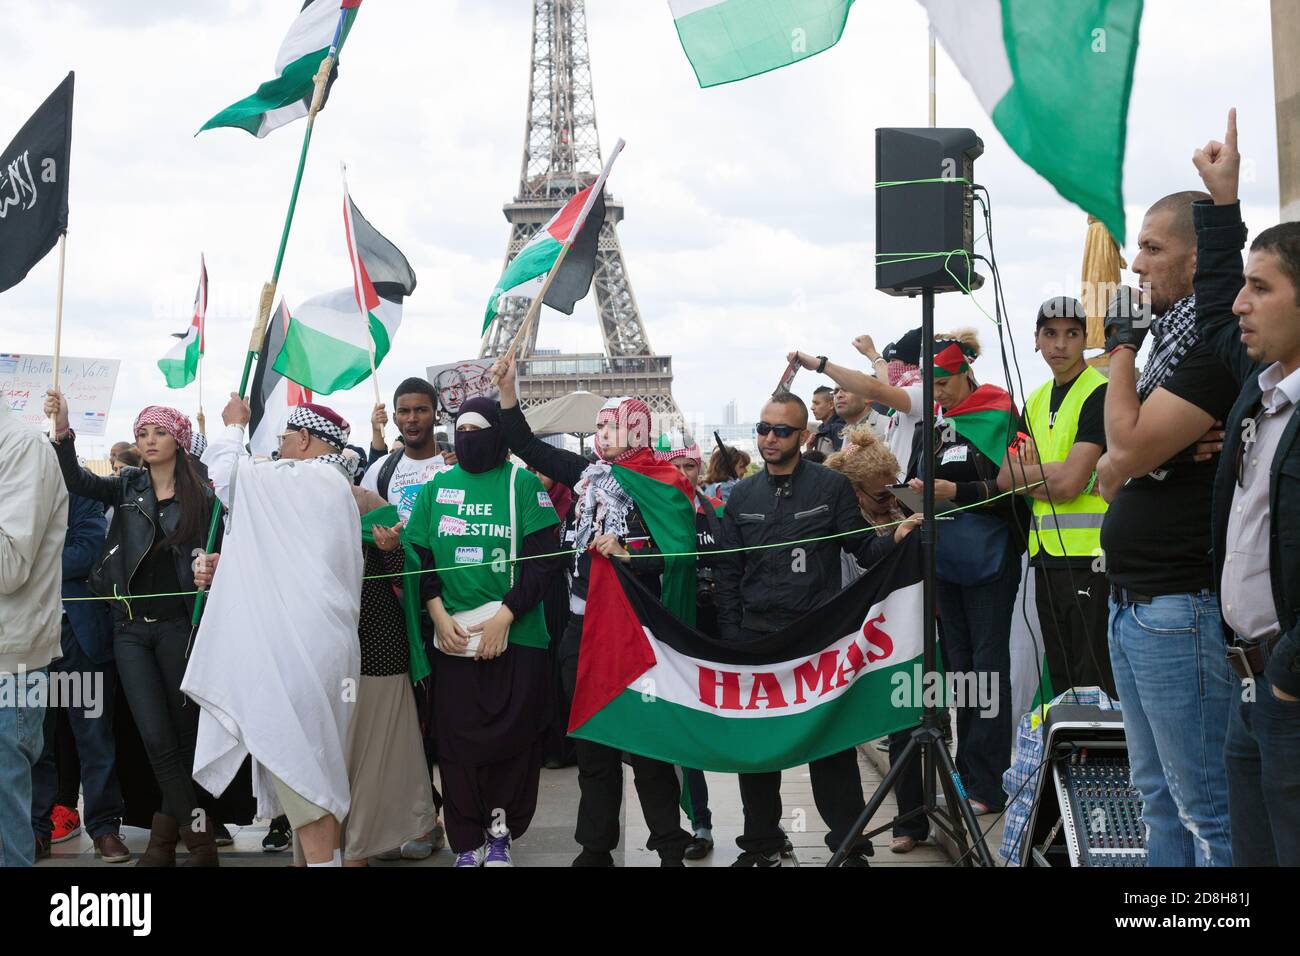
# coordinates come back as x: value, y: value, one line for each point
x: 1077, y: 522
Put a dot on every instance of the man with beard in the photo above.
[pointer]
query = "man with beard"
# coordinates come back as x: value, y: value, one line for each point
x: 1166, y: 648
x: 762, y: 588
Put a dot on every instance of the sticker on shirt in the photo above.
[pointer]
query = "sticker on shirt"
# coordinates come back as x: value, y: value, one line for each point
x: 451, y: 496
x: 544, y: 500
x: 450, y: 524
x: 955, y: 453
x: 469, y: 555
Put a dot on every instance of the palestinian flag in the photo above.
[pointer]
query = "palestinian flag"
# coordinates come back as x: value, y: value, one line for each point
x: 578, y: 225
x: 273, y: 396
x: 844, y: 673
x: 667, y: 504
x: 728, y: 40
x: 387, y: 517
x: 181, y: 364
x: 330, y: 338
x: 987, y: 419
x: 320, y: 26
x: 1055, y: 76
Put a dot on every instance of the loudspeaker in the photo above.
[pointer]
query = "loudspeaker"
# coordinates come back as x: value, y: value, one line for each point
x: 914, y: 221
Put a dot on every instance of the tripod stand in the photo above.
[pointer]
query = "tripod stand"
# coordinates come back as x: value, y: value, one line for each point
x: 926, y: 743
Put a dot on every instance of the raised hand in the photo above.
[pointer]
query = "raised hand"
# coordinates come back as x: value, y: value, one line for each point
x: 57, y: 407
x: 1220, y: 164
x: 236, y: 411
x: 865, y: 345
x: 807, y: 361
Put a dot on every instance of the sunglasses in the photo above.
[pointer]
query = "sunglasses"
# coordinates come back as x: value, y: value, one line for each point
x: 782, y: 431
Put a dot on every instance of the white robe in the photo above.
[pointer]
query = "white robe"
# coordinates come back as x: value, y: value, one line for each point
x: 276, y: 662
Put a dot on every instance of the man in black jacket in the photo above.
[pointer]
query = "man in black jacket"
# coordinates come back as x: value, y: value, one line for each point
x: 763, y: 590
x: 1253, y: 323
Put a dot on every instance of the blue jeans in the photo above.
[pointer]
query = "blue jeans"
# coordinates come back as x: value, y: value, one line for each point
x: 96, y: 749
x: 20, y: 746
x: 1263, y: 756
x: 1175, y: 688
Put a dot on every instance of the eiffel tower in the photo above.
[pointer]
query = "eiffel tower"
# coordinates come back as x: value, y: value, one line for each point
x: 562, y: 157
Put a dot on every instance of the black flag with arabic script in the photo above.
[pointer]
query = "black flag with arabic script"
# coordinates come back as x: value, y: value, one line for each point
x: 34, y: 186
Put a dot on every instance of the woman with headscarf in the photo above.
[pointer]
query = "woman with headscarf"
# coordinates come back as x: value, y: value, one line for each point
x: 160, y: 518
x: 978, y: 555
x: 606, y: 520
x: 485, y: 533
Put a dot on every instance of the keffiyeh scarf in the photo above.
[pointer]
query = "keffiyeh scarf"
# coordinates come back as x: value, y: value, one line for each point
x: 1173, y: 335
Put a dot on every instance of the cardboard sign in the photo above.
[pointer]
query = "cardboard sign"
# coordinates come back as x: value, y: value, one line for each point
x: 86, y: 383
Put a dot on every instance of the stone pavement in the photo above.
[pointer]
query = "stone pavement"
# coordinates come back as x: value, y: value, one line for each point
x: 549, y: 841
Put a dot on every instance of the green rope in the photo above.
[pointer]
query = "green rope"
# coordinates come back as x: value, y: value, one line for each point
x: 569, y: 552
x: 913, y: 182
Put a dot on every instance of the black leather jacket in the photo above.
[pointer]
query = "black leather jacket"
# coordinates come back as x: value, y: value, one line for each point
x: 766, y: 588
x: 133, y: 530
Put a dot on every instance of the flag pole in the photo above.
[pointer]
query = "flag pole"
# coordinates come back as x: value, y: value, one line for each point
x: 321, y: 79
x: 203, y: 430
x: 536, y: 305
x: 203, y: 322
x: 58, y: 323
x: 356, y: 281
x: 932, y: 103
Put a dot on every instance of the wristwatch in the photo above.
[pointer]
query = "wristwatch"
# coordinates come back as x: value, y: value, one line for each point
x: 821, y: 364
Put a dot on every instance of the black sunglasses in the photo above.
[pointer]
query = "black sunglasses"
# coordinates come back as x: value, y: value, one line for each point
x: 782, y: 431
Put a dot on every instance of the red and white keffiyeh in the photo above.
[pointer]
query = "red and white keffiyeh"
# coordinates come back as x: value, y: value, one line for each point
x: 169, y: 419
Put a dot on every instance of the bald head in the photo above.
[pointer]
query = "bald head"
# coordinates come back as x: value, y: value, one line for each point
x: 1177, y: 208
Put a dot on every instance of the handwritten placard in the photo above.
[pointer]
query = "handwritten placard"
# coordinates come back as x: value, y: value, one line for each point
x: 87, y: 384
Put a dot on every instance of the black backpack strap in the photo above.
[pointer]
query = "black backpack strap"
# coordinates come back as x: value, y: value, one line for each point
x: 386, y: 472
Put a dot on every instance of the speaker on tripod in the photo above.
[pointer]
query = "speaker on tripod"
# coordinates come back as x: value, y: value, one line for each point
x: 924, y: 237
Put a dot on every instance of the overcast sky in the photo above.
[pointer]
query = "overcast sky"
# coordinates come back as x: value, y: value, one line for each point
x: 749, y: 226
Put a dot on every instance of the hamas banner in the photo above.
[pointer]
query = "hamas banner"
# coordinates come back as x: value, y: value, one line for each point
x: 34, y: 186
x: 845, y: 673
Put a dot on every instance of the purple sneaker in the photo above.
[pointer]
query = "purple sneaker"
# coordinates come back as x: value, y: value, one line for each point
x: 470, y: 858
x: 498, y: 851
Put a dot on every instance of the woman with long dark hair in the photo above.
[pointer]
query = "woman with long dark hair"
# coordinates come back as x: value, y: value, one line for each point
x: 160, y: 516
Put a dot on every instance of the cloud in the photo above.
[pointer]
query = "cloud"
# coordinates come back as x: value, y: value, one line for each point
x: 750, y: 215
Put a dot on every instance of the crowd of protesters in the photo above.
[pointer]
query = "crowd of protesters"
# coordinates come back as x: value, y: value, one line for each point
x: 1148, y: 503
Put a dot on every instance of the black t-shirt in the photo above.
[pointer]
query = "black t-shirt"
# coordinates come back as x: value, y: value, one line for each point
x: 156, y: 574
x: 1091, y: 429
x: 1156, y: 535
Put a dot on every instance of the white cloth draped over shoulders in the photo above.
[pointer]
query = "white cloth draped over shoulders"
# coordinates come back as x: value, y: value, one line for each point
x: 276, y: 662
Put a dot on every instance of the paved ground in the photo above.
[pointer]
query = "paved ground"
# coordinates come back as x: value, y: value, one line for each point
x: 549, y: 842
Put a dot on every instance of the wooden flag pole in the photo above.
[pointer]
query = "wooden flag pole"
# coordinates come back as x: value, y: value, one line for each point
x: 203, y: 424
x: 268, y: 290
x: 58, y: 323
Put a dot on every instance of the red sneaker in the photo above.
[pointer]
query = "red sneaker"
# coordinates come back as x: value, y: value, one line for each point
x: 66, y: 821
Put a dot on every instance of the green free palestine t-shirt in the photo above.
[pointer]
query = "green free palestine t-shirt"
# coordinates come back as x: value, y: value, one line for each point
x: 464, y: 519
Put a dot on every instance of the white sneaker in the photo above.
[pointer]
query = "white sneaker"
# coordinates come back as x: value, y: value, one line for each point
x: 471, y: 858
x: 498, y: 851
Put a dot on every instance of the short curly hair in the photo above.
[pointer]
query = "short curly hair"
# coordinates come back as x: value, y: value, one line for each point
x: 864, y: 460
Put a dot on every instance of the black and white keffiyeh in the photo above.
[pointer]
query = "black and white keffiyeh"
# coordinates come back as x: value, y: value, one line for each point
x: 603, y: 505
x: 1173, y: 335
x: 322, y: 422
